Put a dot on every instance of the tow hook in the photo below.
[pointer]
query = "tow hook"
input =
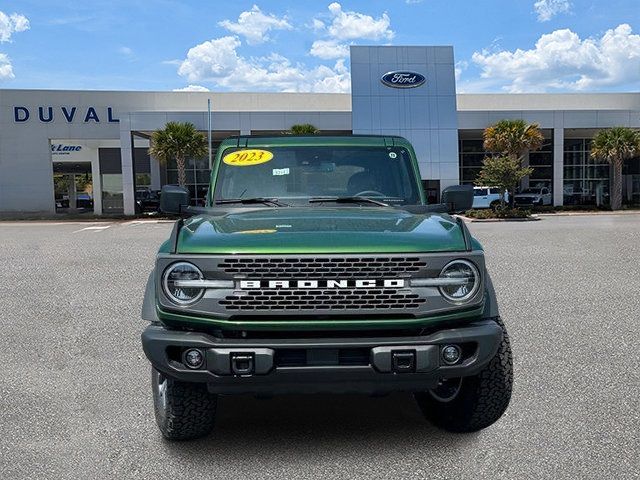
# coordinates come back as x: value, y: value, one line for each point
x: 405, y: 358
x: 242, y: 364
x: 404, y: 361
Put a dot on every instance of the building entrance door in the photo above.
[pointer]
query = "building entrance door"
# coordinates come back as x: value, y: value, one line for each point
x: 73, y: 187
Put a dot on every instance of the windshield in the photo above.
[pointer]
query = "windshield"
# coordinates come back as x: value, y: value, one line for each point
x: 531, y: 190
x: 297, y: 174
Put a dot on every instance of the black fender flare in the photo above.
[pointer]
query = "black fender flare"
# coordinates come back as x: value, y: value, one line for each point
x: 490, y: 300
x: 149, y: 301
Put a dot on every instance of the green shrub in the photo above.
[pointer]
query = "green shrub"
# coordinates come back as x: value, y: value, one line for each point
x: 499, y: 213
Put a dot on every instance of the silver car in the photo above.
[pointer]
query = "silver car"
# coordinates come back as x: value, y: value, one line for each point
x: 537, y: 196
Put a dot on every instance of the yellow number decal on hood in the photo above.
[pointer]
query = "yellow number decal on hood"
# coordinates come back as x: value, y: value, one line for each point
x: 245, y: 158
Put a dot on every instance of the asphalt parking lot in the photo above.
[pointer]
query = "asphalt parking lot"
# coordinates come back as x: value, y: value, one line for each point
x: 75, y: 400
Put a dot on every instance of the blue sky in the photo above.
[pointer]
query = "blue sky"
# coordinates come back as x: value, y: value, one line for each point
x: 500, y: 45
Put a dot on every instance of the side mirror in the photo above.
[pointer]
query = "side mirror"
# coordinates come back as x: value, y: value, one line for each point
x: 458, y: 198
x: 173, y: 199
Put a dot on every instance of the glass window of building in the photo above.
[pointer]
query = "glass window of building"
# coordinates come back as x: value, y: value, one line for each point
x: 586, y: 180
x: 197, y: 170
x: 111, y: 180
x: 542, y: 163
x: 472, y: 154
x: 197, y: 173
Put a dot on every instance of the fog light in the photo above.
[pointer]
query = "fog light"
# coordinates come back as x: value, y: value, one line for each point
x: 451, y: 354
x: 193, y: 358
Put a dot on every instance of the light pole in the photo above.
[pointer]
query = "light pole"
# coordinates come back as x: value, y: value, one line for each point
x: 209, y: 129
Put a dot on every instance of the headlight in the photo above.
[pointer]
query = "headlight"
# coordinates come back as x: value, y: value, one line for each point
x: 464, y: 281
x: 174, y: 279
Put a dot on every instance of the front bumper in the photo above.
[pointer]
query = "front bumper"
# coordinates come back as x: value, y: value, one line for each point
x: 314, y: 365
x: 526, y: 201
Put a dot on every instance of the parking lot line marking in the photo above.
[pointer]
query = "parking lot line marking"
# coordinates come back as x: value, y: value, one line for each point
x: 95, y: 229
x: 135, y: 223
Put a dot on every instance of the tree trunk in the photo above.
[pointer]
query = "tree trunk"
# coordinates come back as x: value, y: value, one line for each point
x: 512, y: 190
x: 182, y: 175
x: 616, y: 185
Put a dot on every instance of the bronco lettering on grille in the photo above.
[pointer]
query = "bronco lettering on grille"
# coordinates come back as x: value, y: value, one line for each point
x: 310, y: 284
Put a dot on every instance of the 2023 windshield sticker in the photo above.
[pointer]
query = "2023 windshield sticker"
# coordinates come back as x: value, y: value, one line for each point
x: 247, y: 158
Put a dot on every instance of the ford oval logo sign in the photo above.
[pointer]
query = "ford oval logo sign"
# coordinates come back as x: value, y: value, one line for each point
x: 402, y: 79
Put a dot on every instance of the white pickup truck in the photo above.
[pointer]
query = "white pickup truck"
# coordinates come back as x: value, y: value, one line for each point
x: 487, y: 197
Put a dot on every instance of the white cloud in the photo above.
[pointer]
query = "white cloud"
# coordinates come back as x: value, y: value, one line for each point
x: 329, y: 49
x: 127, y: 52
x: 460, y: 67
x: 10, y: 24
x: 317, y: 25
x: 547, y: 9
x: 347, y: 26
x: 211, y: 59
x: 254, y: 25
x: 563, y: 61
x: 6, y: 70
x: 218, y: 61
x: 192, y: 88
x: 354, y: 25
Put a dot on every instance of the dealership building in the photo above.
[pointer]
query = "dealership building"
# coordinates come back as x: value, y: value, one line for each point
x: 64, y: 151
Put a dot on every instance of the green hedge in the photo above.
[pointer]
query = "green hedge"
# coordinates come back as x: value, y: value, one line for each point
x: 505, y: 212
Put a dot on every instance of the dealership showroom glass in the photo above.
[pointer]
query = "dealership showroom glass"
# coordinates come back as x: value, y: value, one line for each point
x: 86, y: 151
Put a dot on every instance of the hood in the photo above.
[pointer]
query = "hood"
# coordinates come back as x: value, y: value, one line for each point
x: 320, y: 230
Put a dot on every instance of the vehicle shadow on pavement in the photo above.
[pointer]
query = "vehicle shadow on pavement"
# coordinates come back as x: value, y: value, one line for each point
x: 303, y: 424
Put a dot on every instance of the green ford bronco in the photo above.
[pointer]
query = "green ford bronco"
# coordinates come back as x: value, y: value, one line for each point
x: 318, y: 266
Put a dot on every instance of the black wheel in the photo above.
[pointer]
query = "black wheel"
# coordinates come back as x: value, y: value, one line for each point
x: 495, y: 205
x: 183, y: 410
x: 470, y: 404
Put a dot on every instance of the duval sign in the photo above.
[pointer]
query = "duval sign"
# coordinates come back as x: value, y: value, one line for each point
x: 68, y: 114
x: 403, y: 79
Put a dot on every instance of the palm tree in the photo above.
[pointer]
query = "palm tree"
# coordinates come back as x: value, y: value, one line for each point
x: 615, y: 145
x: 513, y: 139
x: 303, y: 129
x: 178, y: 140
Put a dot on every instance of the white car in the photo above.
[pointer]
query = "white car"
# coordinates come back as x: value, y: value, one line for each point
x: 533, y: 196
x: 487, y: 197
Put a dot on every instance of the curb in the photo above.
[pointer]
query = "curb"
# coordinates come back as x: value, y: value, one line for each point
x: 491, y: 220
x: 577, y: 214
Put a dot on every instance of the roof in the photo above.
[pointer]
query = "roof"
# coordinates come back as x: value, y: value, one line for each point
x: 311, y: 140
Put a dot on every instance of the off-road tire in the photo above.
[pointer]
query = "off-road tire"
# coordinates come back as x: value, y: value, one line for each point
x: 188, y: 411
x: 480, y: 401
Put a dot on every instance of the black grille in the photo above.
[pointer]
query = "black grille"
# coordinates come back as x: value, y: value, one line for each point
x: 317, y: 299
x: 318, y: 268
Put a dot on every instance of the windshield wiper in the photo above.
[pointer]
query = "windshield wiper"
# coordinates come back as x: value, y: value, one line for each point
x: 267, y: 201
x: 353, y: 199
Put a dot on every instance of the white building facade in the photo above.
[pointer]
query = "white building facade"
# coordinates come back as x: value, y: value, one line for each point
x: 64, y: 151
